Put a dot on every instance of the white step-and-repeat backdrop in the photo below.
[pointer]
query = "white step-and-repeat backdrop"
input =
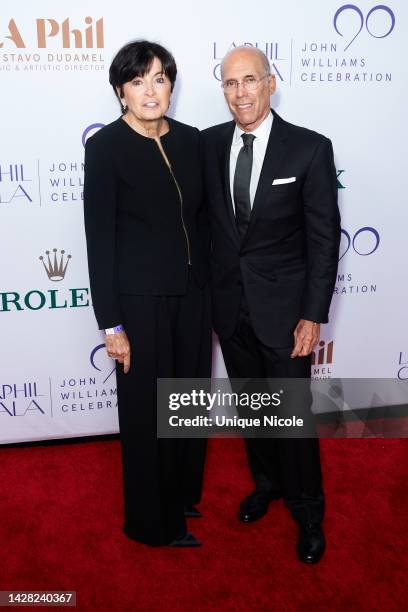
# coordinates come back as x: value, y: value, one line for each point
x: 341, y: 70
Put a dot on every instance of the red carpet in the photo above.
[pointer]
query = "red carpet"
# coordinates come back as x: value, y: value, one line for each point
x: 60, y: 528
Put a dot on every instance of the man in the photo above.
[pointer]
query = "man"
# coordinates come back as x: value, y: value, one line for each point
x: 272, y: 196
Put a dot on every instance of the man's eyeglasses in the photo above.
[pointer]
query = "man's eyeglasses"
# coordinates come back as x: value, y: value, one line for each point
x: 249, y: 83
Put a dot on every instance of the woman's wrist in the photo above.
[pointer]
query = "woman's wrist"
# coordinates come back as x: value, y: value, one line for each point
x: 114, y: 330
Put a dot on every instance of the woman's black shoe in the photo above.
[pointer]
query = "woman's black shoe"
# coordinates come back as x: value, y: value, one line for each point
x: 186, y: 541
x: 192, y: 512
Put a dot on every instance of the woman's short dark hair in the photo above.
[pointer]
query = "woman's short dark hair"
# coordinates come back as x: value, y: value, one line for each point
x: 135, y: 59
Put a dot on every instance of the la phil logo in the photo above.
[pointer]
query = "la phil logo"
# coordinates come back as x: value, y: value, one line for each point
x: 272, y: 50
x: 403, y: 366
x: 379, y: 22
x: 89, y: 36
x: 19, y: 399
x: 15, y: 184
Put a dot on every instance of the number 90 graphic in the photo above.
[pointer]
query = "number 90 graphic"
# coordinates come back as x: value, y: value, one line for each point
x: 361, y: 21
x: 90, y: 130
x: 364, y: 242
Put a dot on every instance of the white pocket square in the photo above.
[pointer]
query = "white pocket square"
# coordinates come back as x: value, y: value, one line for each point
x: 282, y: 181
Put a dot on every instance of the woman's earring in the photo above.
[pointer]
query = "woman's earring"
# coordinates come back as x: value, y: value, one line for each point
x: 124, y: 108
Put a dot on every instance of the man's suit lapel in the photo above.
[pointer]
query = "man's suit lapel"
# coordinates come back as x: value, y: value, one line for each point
x: 275, y: 152
x: 224, y: 150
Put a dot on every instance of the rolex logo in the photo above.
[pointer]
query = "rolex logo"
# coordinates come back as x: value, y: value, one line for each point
x: 55, y: 266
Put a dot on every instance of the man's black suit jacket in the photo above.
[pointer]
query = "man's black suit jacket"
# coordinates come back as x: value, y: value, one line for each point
x: 287, y: 261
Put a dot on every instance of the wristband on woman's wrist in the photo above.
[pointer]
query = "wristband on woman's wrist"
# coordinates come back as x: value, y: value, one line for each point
x: 114, y: 330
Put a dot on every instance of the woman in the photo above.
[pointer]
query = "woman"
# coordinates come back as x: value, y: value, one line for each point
x: 148, y: 244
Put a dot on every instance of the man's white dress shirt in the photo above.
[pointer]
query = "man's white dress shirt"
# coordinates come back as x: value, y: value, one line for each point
x: 260, y: 143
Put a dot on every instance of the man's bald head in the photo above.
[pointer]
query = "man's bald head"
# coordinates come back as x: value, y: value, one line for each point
x: 248, y: 85
x: 243, y: 50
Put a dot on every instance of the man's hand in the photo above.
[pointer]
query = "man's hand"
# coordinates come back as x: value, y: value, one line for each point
x: 307, y: 334
x: 118, y: 347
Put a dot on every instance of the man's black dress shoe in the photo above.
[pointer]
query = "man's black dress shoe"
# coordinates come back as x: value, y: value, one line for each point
x: 192, y: 512
x: 311, y: 544
x: 255, y: 506
x: 186, y: 541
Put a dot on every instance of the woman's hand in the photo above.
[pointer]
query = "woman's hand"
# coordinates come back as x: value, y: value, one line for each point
x: 118, y: 347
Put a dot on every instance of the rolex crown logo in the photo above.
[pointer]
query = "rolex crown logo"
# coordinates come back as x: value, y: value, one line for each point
x: 55, y: 269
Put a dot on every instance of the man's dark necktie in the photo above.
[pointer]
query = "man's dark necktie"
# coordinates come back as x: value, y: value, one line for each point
x: 242, y: 180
